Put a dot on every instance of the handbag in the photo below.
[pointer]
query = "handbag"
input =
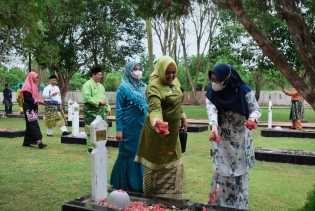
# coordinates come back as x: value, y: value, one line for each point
x: 183, y: 139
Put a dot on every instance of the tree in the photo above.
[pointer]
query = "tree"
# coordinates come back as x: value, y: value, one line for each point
x: 12, y: 77
x: 111, y: 31
x: 72, y: 35
x: 166, y: 9
x: 299, y: 23
x: 16, y: 17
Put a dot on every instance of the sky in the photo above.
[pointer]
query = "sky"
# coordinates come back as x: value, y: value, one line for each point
x: 17, y: 61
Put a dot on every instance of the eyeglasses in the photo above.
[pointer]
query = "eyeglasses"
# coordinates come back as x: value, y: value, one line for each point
x: 137, y: 68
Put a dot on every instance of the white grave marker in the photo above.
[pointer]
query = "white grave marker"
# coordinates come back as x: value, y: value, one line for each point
x: 75, y: 120
x: 269, y: 113
x: 99, y: 159
x: 70, y: 110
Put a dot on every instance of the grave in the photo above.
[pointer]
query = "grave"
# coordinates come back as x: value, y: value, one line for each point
x: 97, y: 200
x: 112, y: 142
x: 86, y: 204
x: 285, y: 132
x: 76, y: 137
x: 197, y: 127
x: 11, y: 133
x: 285, y: 156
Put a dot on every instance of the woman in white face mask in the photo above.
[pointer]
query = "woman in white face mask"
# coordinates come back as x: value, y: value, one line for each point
x: 232, y: 111
x: 131, y: 109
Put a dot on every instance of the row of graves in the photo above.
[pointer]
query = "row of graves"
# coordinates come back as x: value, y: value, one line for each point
x: 276, y: 130
x: 103, y: 199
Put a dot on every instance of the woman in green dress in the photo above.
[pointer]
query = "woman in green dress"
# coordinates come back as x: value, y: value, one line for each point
x: 159, y: 149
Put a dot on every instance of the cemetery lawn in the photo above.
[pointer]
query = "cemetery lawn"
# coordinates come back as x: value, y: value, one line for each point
x: 32, y: 179
x: 279, y: 113
x: 199, y: 112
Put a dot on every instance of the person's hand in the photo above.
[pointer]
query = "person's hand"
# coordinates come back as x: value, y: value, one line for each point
x: 119, y: 135
x: 54, y: 94
x: 102, y: 102
x: 183, y: 124
x: 214, y: 136
x: 161, y: 127
x: 109, y: 112
x: 251, y: 124
x: 41, y: 102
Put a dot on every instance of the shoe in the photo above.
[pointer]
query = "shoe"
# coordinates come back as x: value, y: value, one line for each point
x: 65, y: 133
x: 90, y: 149
x: 49, y: 135
x: 27, y: 145
x: 41, y: 145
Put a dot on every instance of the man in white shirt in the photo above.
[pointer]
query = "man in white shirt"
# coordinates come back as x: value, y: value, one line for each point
x: 53, y: 107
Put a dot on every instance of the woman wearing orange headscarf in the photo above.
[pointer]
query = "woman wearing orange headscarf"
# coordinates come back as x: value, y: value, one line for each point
x: 296, y: 113
x: 31, y: 99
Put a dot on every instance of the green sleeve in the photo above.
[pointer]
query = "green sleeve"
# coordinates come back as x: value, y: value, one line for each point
x: 154, y: 99
x: 87, y: 95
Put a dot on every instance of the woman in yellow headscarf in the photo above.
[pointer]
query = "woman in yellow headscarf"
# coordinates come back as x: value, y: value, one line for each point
x: 159, y: 150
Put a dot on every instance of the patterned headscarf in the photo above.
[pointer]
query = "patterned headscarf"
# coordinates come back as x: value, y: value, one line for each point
x: 31, y: 86
x: 133, y: 88
x: 129, y: 79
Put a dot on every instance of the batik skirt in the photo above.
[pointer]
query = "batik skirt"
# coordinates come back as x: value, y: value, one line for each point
x: 164, y: 182
x: 231, y: 192
x: 53, y: 116
x: 296, y: 110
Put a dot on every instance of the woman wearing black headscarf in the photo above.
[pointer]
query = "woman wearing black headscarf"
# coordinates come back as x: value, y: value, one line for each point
x: 232, y: 111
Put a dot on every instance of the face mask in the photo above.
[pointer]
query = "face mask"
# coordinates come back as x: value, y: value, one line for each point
x: 217, y: 86
x: 136, y: 74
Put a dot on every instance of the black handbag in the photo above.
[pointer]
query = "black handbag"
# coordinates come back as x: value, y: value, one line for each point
x: 183, y: 139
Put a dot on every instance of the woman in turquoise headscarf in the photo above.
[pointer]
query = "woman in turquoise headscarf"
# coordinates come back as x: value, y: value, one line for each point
x: 131, y: 109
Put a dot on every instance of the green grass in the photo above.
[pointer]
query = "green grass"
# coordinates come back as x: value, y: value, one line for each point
x: 279, y: 113
x: 199, y: 112
x: 32, y: 179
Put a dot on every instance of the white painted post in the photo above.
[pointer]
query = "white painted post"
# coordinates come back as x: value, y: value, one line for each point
x: 75, y: 120
x: 99, y: 159
x: 270, y: 112
x: 70, y: 110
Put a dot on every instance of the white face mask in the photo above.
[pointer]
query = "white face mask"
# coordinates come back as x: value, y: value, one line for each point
x: 136, y: 74
x: 217, y: 86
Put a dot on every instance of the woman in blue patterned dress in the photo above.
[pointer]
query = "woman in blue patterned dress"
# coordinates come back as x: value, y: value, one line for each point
x: 131, y: 109
x: 232, y: 111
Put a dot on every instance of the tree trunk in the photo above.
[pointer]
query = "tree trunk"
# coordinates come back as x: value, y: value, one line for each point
x: 63, y: 85
x: 257, y: 90
x: 29, y: 61
x: 148, y: 27
x: 278, y: 59
x: 258, y: 80
x: 182, y: 36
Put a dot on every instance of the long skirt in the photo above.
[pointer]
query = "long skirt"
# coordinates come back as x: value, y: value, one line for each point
x: 53, y: 116
x: 127, y: 174
x: 231, y: 192
x: 32, y: 131
x: 296, y: 112
x: 165, y: 182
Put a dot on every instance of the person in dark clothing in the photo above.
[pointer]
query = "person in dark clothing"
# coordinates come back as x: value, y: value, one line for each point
x: 31, y: 99
x: 7, y: 99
